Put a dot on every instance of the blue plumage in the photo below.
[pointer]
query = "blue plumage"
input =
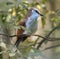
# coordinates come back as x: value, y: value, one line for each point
x: 31, y: 24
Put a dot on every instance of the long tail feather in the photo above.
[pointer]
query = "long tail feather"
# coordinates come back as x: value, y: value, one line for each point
x: 21, y: 39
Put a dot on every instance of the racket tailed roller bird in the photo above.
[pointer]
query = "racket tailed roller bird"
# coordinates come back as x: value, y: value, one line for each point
x: 30, y: 23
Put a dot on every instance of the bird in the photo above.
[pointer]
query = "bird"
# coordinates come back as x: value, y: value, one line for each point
x: 30, y: 23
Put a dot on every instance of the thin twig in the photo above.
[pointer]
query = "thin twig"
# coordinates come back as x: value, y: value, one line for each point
x: 49, y: 39
x: 58, y: 45
x: 21, y: 35
x: 47, y: 36
x: 53, y: 39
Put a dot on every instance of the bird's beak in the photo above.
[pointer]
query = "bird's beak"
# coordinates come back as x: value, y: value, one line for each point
x: 41, y: 14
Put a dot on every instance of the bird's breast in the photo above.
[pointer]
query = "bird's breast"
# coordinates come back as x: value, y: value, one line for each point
x: 31, y: 26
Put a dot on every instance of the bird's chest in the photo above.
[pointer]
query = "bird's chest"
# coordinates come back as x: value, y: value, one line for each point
x: 31, y: 25
x: 31, y: 21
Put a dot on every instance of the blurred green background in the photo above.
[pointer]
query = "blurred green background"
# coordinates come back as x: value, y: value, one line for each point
x: 13, y: 11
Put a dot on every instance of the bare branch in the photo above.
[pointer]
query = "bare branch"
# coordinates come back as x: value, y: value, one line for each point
x: 49, y: 39
x: 53, y: 39
x: 47, y: 36
x: 58, y: 45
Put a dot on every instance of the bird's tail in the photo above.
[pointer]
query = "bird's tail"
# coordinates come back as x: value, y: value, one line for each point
x: 20, y: 39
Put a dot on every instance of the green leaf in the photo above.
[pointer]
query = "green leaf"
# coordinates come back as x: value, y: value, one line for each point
x: 43, y: 22
x: 55, y: 19
x: 44, y: 1
x: 35, y: 53
x: 26, y: 50
x: 9, y: 3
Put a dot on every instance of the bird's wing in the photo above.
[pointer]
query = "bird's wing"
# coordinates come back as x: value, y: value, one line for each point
x: 21, y: 30
x: 19, y: 33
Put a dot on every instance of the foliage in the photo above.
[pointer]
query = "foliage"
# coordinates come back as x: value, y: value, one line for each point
x: 11, y: 12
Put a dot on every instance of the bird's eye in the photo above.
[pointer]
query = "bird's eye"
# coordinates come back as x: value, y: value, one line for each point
x: 36, y: 11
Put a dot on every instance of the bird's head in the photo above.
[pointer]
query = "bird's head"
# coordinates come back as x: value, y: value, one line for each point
x: 36, y: 12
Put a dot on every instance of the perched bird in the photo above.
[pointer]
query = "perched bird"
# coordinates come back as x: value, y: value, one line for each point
x: 30, y: 23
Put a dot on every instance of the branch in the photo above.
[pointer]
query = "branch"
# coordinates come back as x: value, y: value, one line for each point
x: 47, y: 36
x: 53, y: 39
x: 49, y: 39
x: 21, y: 35
x: 58, y: 45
